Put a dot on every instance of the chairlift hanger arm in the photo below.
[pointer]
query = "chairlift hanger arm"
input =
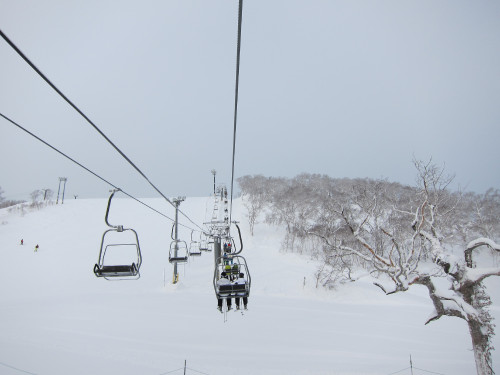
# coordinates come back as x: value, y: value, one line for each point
x: 241, y: 240
x: 107, y: 209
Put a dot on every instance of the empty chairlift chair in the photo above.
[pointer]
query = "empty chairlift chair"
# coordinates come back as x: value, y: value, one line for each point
x: 203, y: 242
x: 203, y: 245
x: 123, y: 270
x: 210, y: 245
x: 178, y: 252
x: 194, y: 247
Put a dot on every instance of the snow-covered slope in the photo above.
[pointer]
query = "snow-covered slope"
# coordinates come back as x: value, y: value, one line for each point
x: 56, y: 317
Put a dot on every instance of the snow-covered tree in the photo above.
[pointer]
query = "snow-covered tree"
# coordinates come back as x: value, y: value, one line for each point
x: 255, y: 197
x: 35, y: 195
x: 466, y: 297
x: 419, y: 236
x: 293, y: 204
x: 6, y: 202
x: 47, y: 194
x: 404, y: 236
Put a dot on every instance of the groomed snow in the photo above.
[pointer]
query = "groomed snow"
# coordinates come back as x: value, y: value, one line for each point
x: 57, y: 318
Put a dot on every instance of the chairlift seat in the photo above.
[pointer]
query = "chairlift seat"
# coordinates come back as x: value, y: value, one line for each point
x: 178, y: 259
x: 232, y: 289
x: 116, y: 271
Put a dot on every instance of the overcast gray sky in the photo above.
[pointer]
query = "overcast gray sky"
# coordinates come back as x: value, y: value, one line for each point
x: 345, y: 88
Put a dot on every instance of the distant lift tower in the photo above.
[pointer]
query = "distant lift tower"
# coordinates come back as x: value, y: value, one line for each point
x: 61, y: 179
x: 177, y: 201
x: 214, y: 172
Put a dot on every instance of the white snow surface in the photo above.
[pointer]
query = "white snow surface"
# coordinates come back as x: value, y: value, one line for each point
x: 56, y: 317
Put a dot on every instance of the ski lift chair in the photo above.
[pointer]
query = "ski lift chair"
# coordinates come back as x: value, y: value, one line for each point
x: 210, y: 246
x: 203, y: 242
x: 194, y: 247
x: 232, y: 289
x: 203, y: 245
x: 101, y: 269
x: 178, y: 252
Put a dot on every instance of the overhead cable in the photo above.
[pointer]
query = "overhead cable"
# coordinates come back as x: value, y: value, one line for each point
x: 429, y: 372
x: 238, y: 48
x: 87, y: 169
x: 25, y: 58
x: 199, y: 372
x: 17, y: 369
x: 169, y: 372
x: 397, y: 372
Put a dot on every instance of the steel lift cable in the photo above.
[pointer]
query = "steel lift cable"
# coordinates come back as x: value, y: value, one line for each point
x: 88, y: 170
x: 238, y: 49
x: 25, y: 58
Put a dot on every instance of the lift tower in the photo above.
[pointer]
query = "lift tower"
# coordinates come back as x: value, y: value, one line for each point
x: 214, y: 172
x: 177, y: 201
x: 61, y: 179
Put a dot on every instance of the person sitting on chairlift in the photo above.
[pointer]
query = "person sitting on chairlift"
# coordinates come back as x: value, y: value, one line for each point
x: 234, y: 272
x: 223, y: 281
x: 241, y: 281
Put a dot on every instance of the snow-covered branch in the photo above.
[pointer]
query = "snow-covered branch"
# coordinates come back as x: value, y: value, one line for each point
x: 476, y: 275
x: 483, y: 242
x: 459, y: 308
